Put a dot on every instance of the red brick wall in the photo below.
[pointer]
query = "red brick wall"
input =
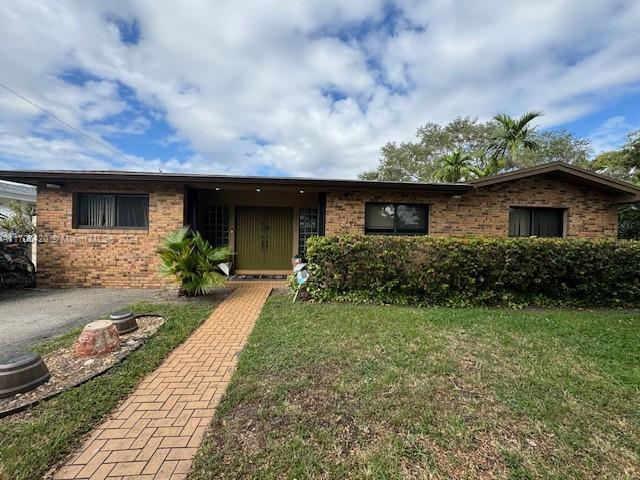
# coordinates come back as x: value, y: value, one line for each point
x: 590, y: 213
x: 127, y: 258
x: 106, y: 258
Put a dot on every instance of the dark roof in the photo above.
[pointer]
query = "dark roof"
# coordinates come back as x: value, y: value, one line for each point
x: 57, y: 176
x: 570, y: 172
x: 576, y: 174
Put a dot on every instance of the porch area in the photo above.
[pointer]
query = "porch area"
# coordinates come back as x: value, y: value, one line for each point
x: 264, y: 226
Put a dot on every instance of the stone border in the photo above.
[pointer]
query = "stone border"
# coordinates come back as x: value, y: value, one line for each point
x: 21, y: 408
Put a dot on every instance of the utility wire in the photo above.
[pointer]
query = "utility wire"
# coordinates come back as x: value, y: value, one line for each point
x: 68, y: 125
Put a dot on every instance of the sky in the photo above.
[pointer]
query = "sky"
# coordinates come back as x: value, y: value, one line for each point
x: 300, y: 88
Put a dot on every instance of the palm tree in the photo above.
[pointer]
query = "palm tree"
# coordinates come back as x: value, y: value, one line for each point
x: 456, y: 167
x: 191, y: 260
x: 512, y: 135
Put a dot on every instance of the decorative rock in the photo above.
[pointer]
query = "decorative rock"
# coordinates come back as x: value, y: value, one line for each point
x: 21, y: 372
x: 97, y: 338
x: 124, y: 321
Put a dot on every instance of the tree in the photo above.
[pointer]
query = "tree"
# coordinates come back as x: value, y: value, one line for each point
x: 192, y: 261
x: 613, y: 164
x: 511, y: 137
x: 631, y: 150
x: 456, y: 167
x: 19, y: 223
x: 401, y: 163
x: 625, y: 165
x: 558, y: 145
x: 417, y: 161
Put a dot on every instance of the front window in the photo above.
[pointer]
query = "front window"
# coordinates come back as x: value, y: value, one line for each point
x: 109, y: 210
x: 396, y: 219
x: 538, y: 222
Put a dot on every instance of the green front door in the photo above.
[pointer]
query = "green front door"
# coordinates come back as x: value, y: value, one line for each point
x: 264, y: 238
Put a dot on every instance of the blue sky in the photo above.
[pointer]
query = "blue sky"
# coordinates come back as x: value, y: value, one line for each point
x: 301, y: 88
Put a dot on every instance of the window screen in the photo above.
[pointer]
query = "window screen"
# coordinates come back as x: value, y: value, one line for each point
x: 396, y: 219
x: 307, y: 227
x: 216, y: 226
x: 539, y: 222
x: 108, y: 210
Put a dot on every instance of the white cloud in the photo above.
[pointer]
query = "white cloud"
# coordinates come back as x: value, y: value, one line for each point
x: 248, y: 85
x: 611, y: 134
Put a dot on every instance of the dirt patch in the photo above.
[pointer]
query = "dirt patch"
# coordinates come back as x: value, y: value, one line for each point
x: 170, y: 295
x: 67, y: 370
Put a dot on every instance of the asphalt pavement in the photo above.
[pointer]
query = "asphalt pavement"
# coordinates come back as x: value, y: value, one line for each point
x: 28, y: 317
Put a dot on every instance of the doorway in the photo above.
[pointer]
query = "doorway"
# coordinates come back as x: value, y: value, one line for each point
x: 264, y: 238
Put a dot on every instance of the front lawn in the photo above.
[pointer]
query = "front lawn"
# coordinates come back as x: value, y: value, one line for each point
x: 348, y: 391
x: 32, y: 442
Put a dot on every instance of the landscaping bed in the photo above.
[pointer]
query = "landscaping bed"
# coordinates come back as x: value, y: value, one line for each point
x: 34, y: 441
x: 387, y: 392
x: 68, y: 370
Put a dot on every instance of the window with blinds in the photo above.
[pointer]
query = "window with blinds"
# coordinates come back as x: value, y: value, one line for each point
x: 536, y: 222
x: 111, y: 210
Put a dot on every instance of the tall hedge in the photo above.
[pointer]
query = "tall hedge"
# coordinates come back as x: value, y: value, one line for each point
x: 474, y: 270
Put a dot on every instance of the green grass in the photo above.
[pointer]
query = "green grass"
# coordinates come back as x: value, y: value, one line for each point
x: 30, y: 444
x: 55, y: 343
x: 352, y: 391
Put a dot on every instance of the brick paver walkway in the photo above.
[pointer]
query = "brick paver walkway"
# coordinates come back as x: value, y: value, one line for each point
x: 158, y: 429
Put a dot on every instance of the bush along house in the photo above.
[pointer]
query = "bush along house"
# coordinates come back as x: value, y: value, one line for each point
x: 102, y: 229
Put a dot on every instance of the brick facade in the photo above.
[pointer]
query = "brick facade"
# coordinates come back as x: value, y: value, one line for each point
x: 103, y: 257
x: 485, y: 211
x: 127, y: 258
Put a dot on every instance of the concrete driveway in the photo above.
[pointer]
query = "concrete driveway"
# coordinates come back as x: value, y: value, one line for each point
x: 28, y: 317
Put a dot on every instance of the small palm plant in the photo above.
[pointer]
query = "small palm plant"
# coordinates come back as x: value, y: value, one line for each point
x: 190, y: 259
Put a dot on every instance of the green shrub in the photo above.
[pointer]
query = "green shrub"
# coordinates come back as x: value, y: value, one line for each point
x: 192, y: 261
x: 474, y: 271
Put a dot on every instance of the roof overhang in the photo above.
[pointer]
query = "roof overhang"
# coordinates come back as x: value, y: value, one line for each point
x: 623, y: 192
x: 60, y: 177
